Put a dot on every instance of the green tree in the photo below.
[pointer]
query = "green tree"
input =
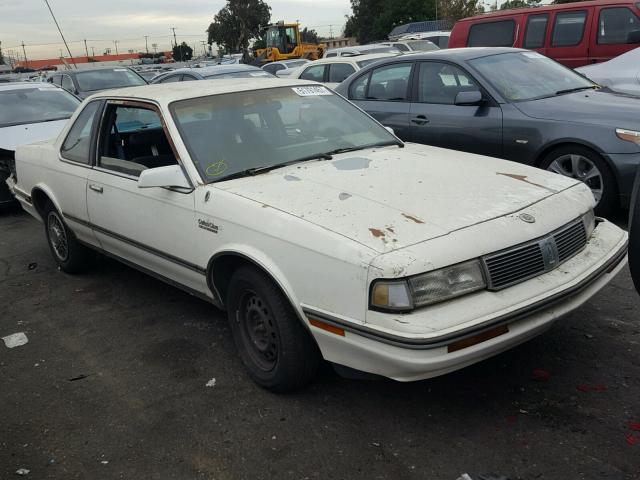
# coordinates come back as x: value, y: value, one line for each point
x: 182, y: 52
x: 237, y: 23
x: 519, y: 4
x: 373, y: 19
x: 309, y: 36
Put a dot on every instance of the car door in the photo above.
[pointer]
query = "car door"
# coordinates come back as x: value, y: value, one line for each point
x: 435, y: 119
x: 150, y: 227
x: 615, y: 30
x: 69, y: 180
x: 569, y: 41
x: 383, y: 93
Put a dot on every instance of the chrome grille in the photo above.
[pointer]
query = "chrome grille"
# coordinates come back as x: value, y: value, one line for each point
x: 529, y: 260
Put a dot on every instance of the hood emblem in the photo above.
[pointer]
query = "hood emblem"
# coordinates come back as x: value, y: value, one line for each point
x: 525, y: 217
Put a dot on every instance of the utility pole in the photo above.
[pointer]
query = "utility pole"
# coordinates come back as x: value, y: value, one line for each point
x: 26, y: 62
x: 93, y: 51
x: 85, y: 48
x: 204, y: 49
x: 330, y: 31
x: 59, y: 30
x: 146, y: 43
x: 174, y: 35
x: 115, y: 42
x: 155, y: 48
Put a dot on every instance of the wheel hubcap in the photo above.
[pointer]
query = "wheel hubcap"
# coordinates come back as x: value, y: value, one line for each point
x: 581, y: 168
x: 57, y: 236
x: 259, y: 332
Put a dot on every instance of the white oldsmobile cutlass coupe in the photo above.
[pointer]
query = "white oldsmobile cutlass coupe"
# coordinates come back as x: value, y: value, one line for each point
x: 319, y: 232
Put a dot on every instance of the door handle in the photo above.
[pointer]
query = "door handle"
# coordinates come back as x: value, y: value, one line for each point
x: 95, y: 188
x: 420, y: 120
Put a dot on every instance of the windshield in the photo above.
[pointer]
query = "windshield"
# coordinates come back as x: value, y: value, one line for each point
x: 367, y: 51
x: 230, y: 133
x: 240, y: 74
x: 422, y: 45
x: 104, y: 79
x: 34, y: 105
x: 527, y: 75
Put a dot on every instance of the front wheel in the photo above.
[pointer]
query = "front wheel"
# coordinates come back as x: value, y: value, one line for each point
x: 71, y: 256
x: 588, y: 167
x: 278, y: 352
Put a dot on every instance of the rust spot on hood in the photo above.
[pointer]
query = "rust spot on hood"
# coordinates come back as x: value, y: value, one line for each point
x: 376, y: 232
x: 523, y: 178
x: 344, y: 196
x: 391, y: 230
x: 412, y: 218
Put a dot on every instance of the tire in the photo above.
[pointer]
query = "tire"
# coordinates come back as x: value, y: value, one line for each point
x: 71, y: 256
x: 278, y: 352
x: 578, y: 162
x: 634, y: 234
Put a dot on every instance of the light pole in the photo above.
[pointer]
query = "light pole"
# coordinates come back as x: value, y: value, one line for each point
x: 146, y: 43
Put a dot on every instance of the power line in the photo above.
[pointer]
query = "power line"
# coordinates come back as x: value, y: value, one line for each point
x: 65, y: 42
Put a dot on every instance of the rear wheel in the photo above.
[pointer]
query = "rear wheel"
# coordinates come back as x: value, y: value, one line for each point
x: 587, y: 166
x: 71, y: 256
x: 278, y: 352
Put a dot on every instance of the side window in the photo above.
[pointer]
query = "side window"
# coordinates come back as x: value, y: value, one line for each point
x: 188, y: 78
x: 358, y: 88
x: 171, y: 78
x: 339, y: 71
x: 270, y: 67
x: 315, y: 73
x: 441, y: 82
x: 132, y: 140
x: 535, y: 32
x: 333, y: 54
x: 390, y: 83
x: 67, y: 83
x: 77, y: 145
x: 568, y: 28
x: 615, y: 25
x: 279, y: 67
x: 57, y: 80
x: 492, y: 34
x: 402, y: 47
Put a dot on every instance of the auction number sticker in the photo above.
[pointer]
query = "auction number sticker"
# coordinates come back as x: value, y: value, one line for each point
x: 311, y: 91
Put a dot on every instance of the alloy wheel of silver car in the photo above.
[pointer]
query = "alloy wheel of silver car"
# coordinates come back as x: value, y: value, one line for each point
x: 581, y: 168
x: 58, y: 236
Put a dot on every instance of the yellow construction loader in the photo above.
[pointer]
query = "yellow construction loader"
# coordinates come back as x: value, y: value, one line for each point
x: 284, y: 42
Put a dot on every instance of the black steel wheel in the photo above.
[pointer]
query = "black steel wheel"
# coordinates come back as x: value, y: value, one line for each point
x: 278, y: 351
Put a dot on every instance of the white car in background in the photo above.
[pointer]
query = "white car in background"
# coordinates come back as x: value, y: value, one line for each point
x: 320, y: 232
x: 332, y: 71
x: 29, y: 112
x: 621, y: 74
x: 413, y: 46
x: 284, y: 68
x: 360, y: 50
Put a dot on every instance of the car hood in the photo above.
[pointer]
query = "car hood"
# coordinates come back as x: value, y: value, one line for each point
x: 590, y: 107
x: 389, y: 198
x: 12, y: 137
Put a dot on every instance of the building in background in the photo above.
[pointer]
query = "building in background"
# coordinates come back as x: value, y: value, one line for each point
x: 339, y: 42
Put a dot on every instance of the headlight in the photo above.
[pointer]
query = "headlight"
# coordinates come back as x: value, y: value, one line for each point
x: 428, y: 288
x: 589, y: 220
x: 628, y: 135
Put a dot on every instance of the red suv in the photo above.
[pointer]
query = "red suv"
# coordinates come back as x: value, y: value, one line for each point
x: 574, y: 34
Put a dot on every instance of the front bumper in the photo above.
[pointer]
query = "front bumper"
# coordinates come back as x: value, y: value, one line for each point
x: 408, y: 357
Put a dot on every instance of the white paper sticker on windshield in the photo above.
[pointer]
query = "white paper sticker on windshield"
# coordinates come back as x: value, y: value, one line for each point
x: 258, y: 74
x: 311, y: 91
x: 119, y: 69
x: 533, y: 55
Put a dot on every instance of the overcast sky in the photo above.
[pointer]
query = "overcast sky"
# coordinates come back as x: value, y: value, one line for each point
x: 128, y: 21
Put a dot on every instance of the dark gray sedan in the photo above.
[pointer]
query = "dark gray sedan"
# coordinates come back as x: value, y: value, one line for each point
x: 84, y: 82
x: 508, y: 103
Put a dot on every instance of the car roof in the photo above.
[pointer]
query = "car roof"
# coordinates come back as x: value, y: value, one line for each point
x: 461, y: 54
x: 353, y: 58
x: 165, y: 93
x: 26, y: 85
x: 216, y: 69
x: 93, y: 69
x: 545, y: 8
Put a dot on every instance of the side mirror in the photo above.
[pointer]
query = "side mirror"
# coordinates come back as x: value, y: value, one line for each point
x: 633, y: 37
x: 171, y: 176
x: 473, y: 97
x: 390, y: 130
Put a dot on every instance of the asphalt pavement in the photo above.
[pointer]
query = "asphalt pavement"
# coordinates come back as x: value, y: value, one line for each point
x: 126, y: 377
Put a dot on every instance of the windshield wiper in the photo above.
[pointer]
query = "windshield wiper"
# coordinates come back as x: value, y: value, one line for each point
x: 576, y: 89
x: 250, y: 172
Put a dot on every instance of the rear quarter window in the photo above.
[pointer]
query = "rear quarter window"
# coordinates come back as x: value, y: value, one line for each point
x: 492, y: 34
